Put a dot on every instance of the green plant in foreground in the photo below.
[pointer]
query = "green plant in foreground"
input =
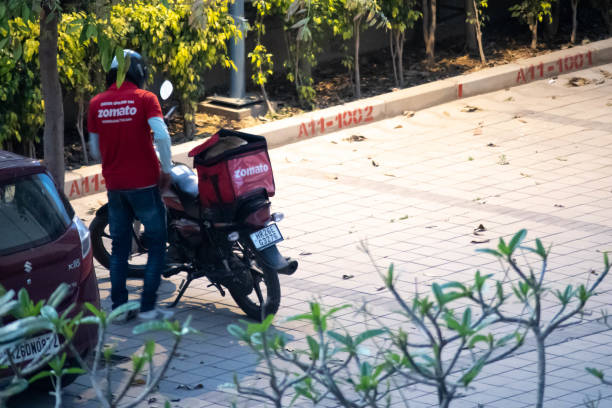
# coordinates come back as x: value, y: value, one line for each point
x: 34, y: 318
x: 31, y: 319
x: 530, y: 291
x: 447, y: 352
x: 105, y: 392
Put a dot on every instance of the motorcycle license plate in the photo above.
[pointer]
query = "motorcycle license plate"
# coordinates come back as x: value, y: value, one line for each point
x: 266, y: 237
x: 31, y: 348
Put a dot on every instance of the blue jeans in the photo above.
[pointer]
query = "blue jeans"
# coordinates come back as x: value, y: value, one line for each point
x: 145, y: 205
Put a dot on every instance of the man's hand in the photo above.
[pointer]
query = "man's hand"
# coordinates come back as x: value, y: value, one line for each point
x: 164, y: 181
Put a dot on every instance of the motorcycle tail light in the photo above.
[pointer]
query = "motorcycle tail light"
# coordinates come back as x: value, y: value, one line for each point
x: 259, y: 217
x: 277, y: 217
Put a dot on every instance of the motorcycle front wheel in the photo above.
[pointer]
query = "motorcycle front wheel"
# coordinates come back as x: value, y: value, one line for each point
x: 101, y: 245
x: 264, y: 299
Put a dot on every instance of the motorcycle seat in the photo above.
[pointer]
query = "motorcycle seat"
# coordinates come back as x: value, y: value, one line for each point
x: 185, y: 180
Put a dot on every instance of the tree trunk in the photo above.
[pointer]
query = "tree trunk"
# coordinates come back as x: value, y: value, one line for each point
x: 267, y: 100
x: 400, y: 56
x: 393, y: 55
x: 533, y: 26
x: 471, y: 42
x: 478, y: 30
x: 429, y: 28
x: 53, y: 135
x: 574, y: 21
x: 356, y: 29
x: 188, y: 119
x: 79, y: 126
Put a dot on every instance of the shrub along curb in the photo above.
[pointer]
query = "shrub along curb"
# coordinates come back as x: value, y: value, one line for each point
x: 88, y: 180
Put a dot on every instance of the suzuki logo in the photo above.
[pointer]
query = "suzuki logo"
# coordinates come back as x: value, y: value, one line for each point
x: 27, y: 266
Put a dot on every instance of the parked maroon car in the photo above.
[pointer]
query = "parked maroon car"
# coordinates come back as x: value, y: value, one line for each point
x: 42, y: 244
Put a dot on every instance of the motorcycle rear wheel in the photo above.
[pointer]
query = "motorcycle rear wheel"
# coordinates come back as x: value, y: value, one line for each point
x: 264, y: 299
x: 101, y: 245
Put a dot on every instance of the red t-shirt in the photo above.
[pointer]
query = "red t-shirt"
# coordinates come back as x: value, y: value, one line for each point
x: 119, y: 117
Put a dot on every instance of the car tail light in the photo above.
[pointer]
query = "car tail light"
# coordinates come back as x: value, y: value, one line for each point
x: 84, y: 235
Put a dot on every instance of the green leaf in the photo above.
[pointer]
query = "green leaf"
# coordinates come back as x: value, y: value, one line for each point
x: 368, y: 334
x: 22, y: 328
x: 303, y: 316
x: 504, y: 340
x: 236, y: 331
x: 94, y: 310
x: 138, y: 363
x: 490, y: 251
x: 124, y: 308
x: 467, y: 317
x: 455, y: 285
x: 499, y: 291
x: 516, y: 240
x: 7, y: 308
x: 49, y: 313
x: 75, y: 370
x: 597, y: 373
x: 42, y: 374
x: 540, y: 249
x: 155, y: 325
x: 314, y: 348
x: 437, y: 291
x: 108, y: 352
x: 453, y: 324
x: 149, y: 349
x: 472, y: 373
x: 389, y: 277
x: 344, y: 340
x: 478, y: 339
x: 58, y: 295
x: 89, y: 320
x: 123, y: 65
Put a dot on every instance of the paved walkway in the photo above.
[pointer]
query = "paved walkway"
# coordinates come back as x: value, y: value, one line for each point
x: 537, y: 156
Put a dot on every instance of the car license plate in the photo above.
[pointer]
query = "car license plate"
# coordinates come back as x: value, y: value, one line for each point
x: 31, y: 348
x: 266, y: 237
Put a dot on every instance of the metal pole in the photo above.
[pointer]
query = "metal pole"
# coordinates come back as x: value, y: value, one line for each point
x: 237, y: 77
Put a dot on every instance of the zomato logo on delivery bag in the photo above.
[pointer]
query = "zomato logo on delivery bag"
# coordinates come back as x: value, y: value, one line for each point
x: 251, y: 172
x: 240, y: 173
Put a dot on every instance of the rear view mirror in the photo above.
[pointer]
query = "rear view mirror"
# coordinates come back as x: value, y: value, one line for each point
x: 166, y: 90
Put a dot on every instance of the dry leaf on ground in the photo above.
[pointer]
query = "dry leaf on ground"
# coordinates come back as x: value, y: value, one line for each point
x: 469, y: 108
x: 578, y: 81
x: 355, y: 138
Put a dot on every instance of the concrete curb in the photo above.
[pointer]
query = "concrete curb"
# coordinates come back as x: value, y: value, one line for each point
x: 88, y: 180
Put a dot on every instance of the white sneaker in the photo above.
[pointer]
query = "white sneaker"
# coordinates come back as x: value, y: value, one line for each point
x: 157, y: 313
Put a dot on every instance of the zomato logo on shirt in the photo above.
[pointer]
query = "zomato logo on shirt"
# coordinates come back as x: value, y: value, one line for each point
x: 117, y: 111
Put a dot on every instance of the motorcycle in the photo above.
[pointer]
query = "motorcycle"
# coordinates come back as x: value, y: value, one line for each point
x: 219, y: 224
